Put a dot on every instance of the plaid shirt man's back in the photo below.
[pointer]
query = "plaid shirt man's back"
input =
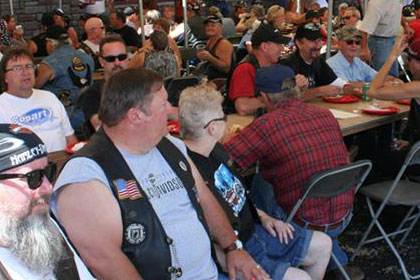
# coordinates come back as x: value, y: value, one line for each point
x: 293, y: 143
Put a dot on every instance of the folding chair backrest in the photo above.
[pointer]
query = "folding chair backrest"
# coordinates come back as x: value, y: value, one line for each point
x: 413, y: 156
x: 177, y: 85
x: 334, y: 182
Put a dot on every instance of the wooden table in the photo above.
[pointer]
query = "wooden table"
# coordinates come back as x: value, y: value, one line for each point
x: 348, y: 126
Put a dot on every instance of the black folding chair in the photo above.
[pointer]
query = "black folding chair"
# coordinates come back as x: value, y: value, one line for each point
x: 331, y: 183
x: 392, y: 193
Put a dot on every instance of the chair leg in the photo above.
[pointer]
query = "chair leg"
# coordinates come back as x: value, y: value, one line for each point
x: 407, y: 276
x: 340, y: 267
x: 415, y: 220
x: 369, y: 229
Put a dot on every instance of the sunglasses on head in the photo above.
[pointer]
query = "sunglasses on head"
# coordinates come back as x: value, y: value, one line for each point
x: 351, y: 42
x: 112, y: 58
x: 35, y: 177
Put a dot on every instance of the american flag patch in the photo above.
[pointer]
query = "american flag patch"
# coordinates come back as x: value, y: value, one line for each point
x: 127, y: 189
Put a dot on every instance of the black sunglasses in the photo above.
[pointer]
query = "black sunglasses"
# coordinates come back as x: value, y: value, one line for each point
x: 112, y: 58
x: 351, y: 42
x: 215, y: 120
x: 35, y: 177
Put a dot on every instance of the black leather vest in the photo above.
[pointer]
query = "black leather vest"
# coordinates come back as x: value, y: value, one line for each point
x: 144, y: 239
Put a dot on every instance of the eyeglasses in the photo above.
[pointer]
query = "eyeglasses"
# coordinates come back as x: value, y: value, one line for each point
x: 19, y: 68
x: 351, y: 42
x: 112, y: 58
x: 349, y: 17
x: 215, y: 120
x: 35, y: 177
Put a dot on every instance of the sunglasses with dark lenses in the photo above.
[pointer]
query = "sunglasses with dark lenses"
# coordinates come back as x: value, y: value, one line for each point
x: 215, y: 120
x: 35, y: 177
x: 351, y: 42
x: 112, y: 58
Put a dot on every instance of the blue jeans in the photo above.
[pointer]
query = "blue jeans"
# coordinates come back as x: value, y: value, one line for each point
x: 274, y: 256
x: 336, y: 249
x: 380, y: 48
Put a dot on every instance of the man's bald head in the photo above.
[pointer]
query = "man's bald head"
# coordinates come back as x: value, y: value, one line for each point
x: 94, y: 29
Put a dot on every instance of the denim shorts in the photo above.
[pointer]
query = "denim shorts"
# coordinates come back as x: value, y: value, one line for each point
x: 274, y: 256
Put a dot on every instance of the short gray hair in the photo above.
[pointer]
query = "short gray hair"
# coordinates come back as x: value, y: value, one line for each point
x: 59, y: 43
x: 292, y: 92
x: 197, y: 106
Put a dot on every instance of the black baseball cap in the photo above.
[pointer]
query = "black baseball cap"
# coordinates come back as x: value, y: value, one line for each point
x: 268, y: 33
x: 56, y: 32
x: 310, y: 31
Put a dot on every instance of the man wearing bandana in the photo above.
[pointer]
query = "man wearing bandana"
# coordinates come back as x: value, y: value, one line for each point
x: 31, y: 244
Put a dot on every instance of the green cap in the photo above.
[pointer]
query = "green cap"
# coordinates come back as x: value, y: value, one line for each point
x: 348, y: 32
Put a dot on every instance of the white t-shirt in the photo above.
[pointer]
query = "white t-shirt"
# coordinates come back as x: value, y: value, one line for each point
x: 92, y: 46
x: 383, y: 18
x: 42, y: 112
x: 18, y: 271
x: 96, y: 8
x: 165, y: 191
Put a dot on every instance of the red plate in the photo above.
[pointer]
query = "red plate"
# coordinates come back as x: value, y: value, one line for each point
x: 69, y: 149
x: 404, y: 102
x: 382, y: 110
x: 346, y: 98
x: 173, y: 127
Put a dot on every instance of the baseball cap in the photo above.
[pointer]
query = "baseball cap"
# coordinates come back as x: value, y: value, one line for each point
x: 416, y: 4
x: 19, y: 146
x: 268, y: 33
x: 343, y: 6
x: 128, y: 11
x: 310, y: 31
x: 213, y: 19
x: 348, y: 32
x: 414, y: 49
x: 275, y: 79
x: 58, y: 12
x: 56, y: 32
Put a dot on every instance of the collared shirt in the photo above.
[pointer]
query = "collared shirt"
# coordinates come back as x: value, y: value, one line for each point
x: 383, y: 18
x: 293, y: 143
x: 355, y: 71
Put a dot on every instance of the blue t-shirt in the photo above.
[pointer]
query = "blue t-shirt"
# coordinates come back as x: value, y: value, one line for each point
x: 169, y: 199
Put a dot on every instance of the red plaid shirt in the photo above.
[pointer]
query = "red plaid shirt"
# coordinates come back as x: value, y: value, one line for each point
x: 293, y: 143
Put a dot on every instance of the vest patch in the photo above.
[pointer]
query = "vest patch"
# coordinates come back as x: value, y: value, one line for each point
x: 135, y: 234
x: 127, y: 189
x: 78, y: 64
x: 182, y: 165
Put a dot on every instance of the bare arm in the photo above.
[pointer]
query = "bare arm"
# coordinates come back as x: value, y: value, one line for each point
x: 224, y: 52
x: 137, y: 60
x: 248, y: 105
x: 175, y: 49
x: 45, y: 74
x: 71, y: 139
x: 320, y: 91
x: 95, y: 231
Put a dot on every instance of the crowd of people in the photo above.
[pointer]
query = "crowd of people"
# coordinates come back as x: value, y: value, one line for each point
x: 138, y: 203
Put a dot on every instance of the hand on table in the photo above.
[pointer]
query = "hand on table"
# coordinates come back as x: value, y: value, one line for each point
x: 241, y: 265
x: 330, y: 90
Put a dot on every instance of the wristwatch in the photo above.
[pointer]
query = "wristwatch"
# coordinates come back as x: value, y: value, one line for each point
x: 236, y: 245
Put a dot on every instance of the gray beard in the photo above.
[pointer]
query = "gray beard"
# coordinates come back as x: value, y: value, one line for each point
x: 33, y: 239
